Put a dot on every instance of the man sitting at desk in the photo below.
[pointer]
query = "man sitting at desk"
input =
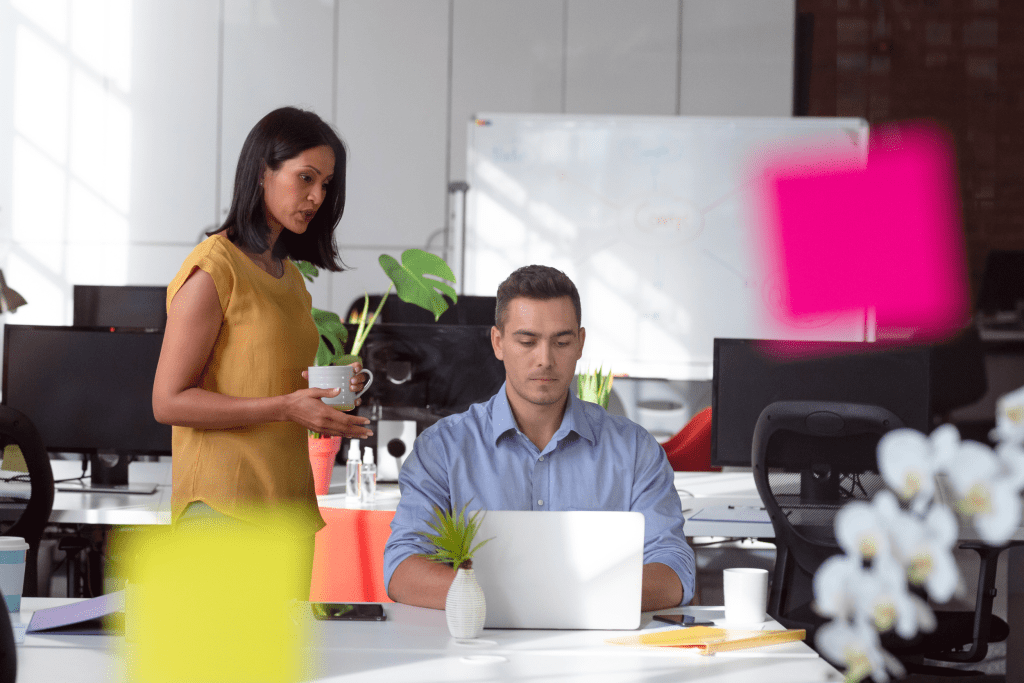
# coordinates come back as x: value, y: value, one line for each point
x: 536, y: 446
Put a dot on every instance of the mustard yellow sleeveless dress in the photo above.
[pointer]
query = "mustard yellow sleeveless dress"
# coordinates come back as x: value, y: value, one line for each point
x: 260, y: 473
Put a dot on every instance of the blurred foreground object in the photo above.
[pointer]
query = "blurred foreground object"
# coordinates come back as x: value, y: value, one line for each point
x: 885, y: 238
x: 205, y: 605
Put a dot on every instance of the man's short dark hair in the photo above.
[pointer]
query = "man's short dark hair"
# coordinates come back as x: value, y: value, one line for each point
x: 535, y: 282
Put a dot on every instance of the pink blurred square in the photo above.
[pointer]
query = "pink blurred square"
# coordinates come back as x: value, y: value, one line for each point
x: 885, y: 237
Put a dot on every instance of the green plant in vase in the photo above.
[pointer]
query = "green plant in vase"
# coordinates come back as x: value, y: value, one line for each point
x: 421, y: 279
x: 452, y: 538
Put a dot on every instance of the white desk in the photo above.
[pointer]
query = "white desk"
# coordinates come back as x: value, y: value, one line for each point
x: 414, y: 645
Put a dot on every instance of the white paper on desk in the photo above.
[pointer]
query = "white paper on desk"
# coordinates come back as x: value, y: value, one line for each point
x: 732, y: 513
x: 78, y: 618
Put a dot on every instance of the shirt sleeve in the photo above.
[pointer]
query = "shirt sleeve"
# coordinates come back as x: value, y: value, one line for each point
x: 423, y: 482
x: 655, y: 495
x: 211, y: 258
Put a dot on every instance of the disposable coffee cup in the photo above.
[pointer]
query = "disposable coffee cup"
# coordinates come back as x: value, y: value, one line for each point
x: 746, y: 595
x: 337, y: 377
x: 12, y: 570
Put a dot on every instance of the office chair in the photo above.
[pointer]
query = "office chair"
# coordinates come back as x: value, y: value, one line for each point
x: 812, y: 457
x: 16, y: 428
x: 690, y: 449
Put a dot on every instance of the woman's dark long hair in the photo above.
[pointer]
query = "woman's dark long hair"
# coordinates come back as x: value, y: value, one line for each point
x: 281, y: 135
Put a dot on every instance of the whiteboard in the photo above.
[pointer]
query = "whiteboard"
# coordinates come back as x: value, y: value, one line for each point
x: 652, y: 218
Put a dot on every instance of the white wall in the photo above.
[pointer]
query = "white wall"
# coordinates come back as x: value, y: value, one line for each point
x: 121, y: 120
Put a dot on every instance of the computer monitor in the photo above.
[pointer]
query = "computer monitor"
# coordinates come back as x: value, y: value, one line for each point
x: 434, y: 368
x: 87, y: 390
x: 133, y: 306
x: 748, y: 375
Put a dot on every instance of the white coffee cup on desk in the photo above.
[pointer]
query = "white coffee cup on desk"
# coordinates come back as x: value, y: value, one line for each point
x: 746, y: 595
x: 12, y: 570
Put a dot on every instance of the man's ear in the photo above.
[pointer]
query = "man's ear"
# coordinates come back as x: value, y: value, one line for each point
x: 583, y: 338
x: 496, y: 343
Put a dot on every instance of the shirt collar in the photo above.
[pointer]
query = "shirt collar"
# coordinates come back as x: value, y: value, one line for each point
x: 574, y: 419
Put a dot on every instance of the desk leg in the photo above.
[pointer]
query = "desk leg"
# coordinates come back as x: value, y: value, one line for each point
x: 1015, y: 614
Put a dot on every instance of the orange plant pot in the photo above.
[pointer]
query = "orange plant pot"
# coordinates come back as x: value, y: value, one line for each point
x: 321, y: 458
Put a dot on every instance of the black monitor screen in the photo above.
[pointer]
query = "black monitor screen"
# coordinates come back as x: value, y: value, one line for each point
x: 441, y: 368
x: 128, y: 306
x: 86, y: 389
x: 749, y: 375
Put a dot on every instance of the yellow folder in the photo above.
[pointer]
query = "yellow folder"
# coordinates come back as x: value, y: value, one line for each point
x: 708, y: 640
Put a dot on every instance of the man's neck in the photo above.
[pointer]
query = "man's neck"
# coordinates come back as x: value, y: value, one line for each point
x: 538, y: 422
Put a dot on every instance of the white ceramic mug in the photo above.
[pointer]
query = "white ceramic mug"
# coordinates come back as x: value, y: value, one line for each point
x: 746, y: 595
x: 337, y: 377
x: 12, y: 570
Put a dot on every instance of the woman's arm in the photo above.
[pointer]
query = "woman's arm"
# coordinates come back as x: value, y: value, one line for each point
x: 193, y: 323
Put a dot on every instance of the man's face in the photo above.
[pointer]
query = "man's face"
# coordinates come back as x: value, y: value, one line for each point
x: 540, y: 344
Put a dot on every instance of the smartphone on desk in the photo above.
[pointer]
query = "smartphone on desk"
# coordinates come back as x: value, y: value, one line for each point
x: 682, y: 620
x: 346, y: 611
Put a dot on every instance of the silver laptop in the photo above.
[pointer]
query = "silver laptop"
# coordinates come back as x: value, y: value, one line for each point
x: 571, y: 570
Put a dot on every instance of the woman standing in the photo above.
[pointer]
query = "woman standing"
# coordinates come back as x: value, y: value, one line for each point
x: 240, y: 334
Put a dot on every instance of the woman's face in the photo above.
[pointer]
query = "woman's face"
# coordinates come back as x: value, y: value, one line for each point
x: 293, y: 193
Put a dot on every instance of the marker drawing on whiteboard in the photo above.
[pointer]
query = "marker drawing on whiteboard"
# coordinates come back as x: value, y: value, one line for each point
x: 728, y: 266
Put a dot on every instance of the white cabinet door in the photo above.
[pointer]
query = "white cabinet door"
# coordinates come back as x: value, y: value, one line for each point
x: 737, y: 57
x: 276, y: 53
x: 392, y: 106
x: 622, y: 57
x: 173, y: 105
x: 506, y: 57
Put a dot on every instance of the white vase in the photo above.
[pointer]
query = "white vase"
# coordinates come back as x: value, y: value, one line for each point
x: 465, y: 608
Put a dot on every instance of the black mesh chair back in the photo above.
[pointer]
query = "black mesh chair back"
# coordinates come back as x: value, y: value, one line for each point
x: 16, y: 428
x: 810, y: 458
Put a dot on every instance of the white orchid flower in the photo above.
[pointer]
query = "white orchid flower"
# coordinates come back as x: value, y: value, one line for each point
x: 856, y: 647
x: 886, y: 602
x: 1010, y: 418
x: 906, y: 464
x: 862, y: 530
x: 945, y: 444
x: 837, y: 586
x: 987, y: 487
x: 931, y: 562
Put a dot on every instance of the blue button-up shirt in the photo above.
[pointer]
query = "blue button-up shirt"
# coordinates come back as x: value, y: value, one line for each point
x: 595, y: 461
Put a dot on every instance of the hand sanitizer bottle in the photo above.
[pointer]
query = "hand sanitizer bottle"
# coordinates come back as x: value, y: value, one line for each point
x: 369, y: 487
x: 352, y: 470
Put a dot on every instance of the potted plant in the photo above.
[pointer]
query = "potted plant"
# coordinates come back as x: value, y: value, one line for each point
x: 409, y: 278
x: 452, y: 537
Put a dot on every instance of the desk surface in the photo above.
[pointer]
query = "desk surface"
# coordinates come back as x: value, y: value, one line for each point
x: 414, y: 645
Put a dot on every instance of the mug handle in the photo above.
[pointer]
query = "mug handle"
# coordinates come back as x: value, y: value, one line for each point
x: 368, y: 382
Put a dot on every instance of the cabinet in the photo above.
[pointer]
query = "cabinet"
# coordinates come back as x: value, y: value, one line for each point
x: 275, y: 53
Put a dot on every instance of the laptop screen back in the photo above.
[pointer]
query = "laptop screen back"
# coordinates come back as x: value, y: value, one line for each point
x: 561, y: 570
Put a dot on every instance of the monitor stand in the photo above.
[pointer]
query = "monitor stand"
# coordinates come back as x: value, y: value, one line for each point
x: 109, y: 475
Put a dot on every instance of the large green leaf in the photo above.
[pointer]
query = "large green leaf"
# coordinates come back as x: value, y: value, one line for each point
x: 412, y: 285
x: 308, y: 270
x: 333, y: 336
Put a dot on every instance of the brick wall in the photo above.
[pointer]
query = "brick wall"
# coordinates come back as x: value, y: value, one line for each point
x: 959, y: 62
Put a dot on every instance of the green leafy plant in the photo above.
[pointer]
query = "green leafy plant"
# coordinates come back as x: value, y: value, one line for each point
x: 595, y: 386
x: 421, y: 279
x: 453, y: 535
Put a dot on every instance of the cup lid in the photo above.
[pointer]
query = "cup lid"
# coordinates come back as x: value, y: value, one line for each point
x: 13, y: 543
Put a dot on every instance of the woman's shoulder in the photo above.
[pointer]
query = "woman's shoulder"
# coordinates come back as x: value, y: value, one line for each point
x: 216, y: 251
